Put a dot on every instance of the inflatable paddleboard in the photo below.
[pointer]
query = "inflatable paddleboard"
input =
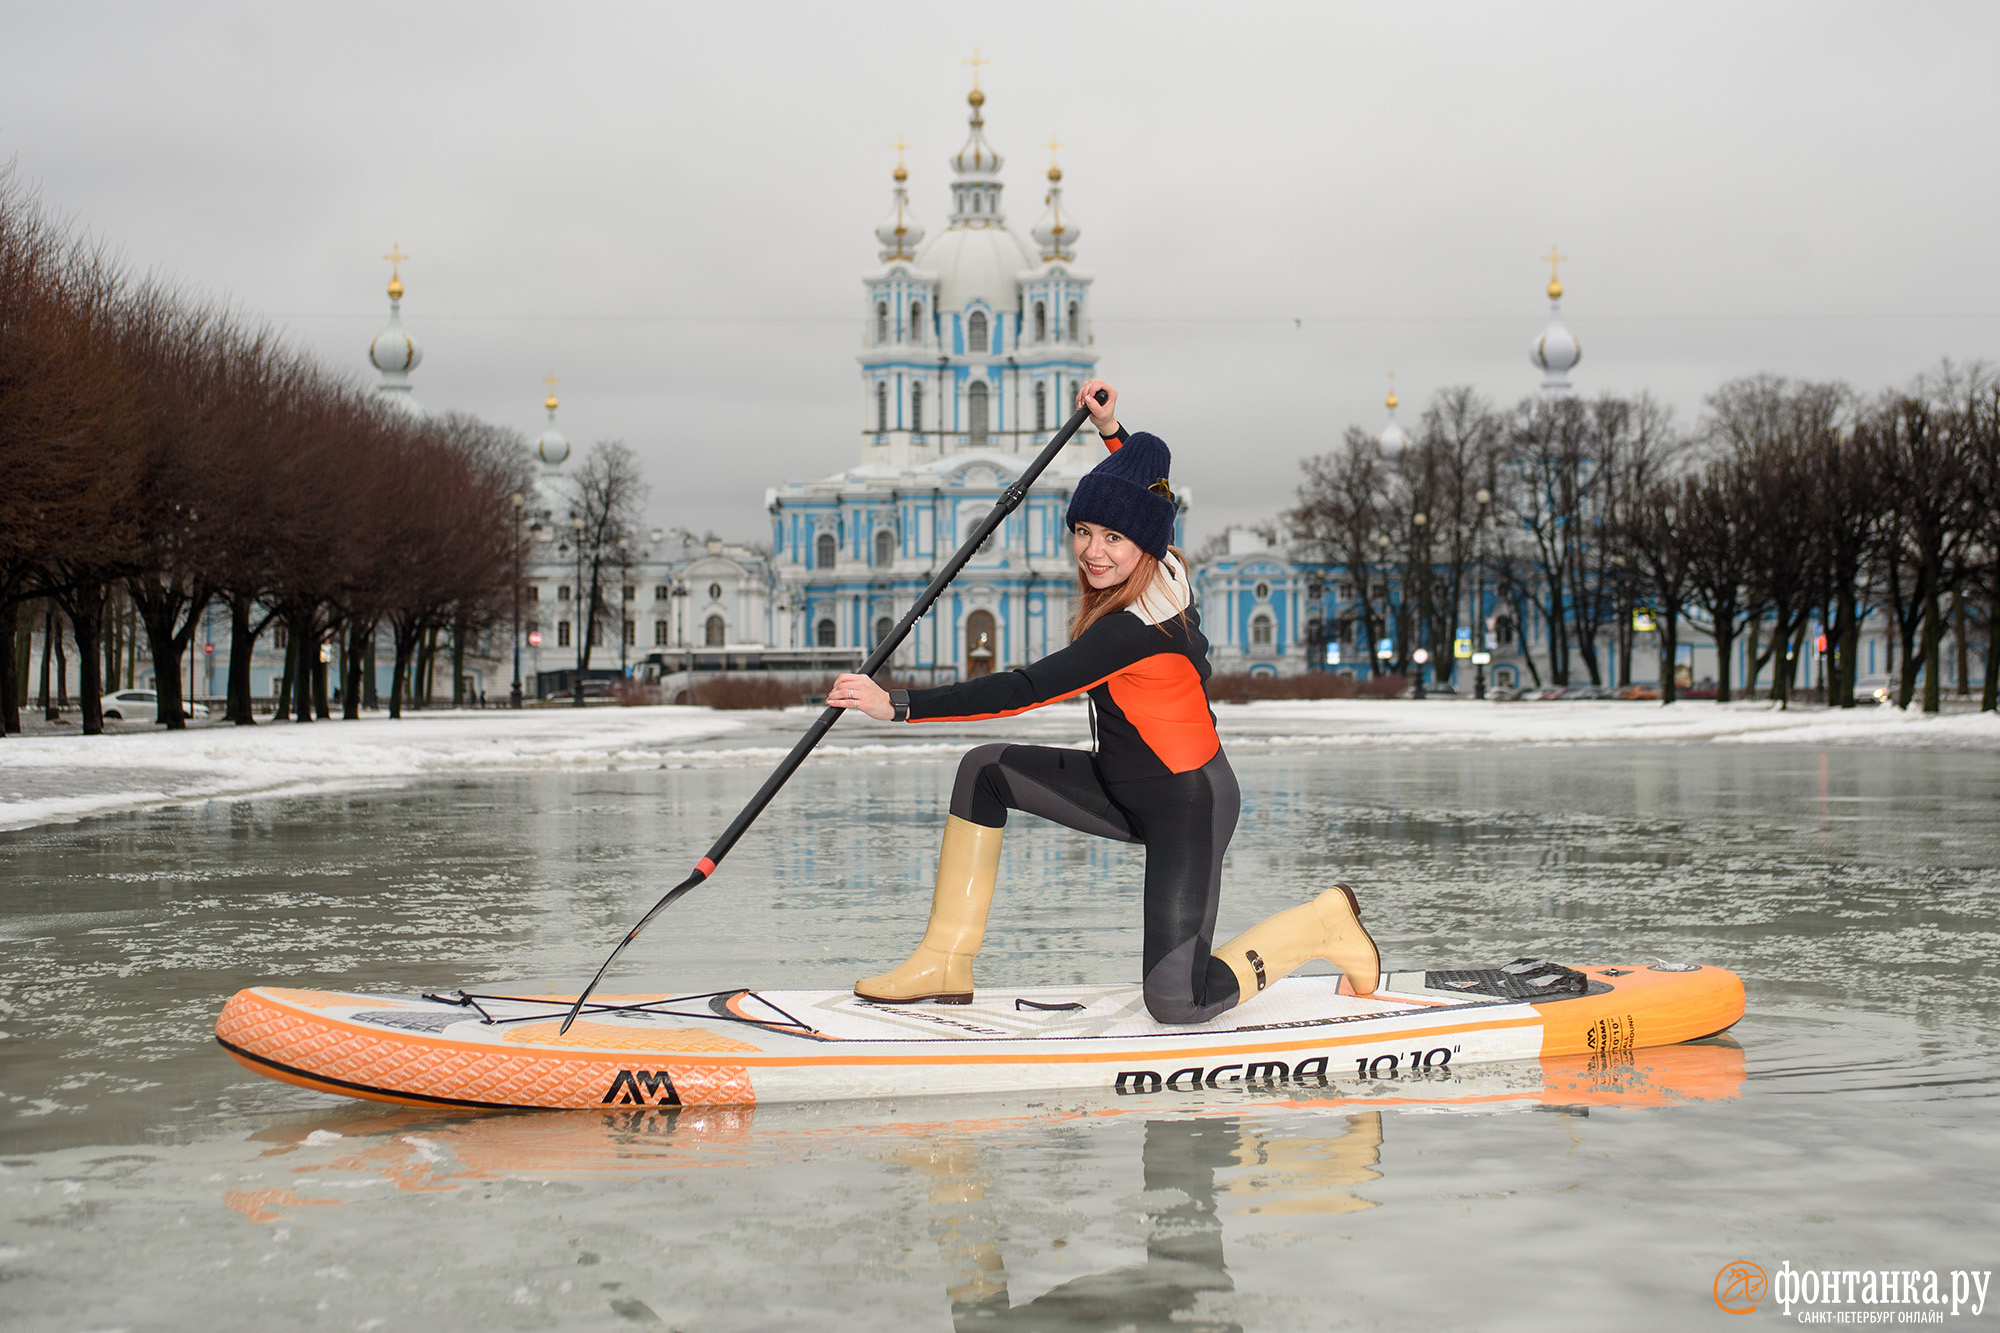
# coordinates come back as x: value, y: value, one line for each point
x: 746, y: 1047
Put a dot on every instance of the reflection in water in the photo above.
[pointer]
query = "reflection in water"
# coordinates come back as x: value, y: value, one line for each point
x: 976, y: 1184
x: 1184, y: 1261
x: 1287, y: 1162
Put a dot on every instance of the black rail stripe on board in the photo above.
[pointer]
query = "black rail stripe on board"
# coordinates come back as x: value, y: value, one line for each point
x: 268, y: 1063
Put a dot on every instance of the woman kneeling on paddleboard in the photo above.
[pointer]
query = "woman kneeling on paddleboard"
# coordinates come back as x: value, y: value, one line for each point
x: 1158, y: 776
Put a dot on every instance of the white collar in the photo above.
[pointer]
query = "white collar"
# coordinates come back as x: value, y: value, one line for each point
x: 1169, y: 595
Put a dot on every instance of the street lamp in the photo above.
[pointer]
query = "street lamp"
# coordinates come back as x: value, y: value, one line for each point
x: 520, y: 503
x: 1481, y: 653
x: 583, y: 617
x: 624, y: 586
x: 1382, y: 654
x: 1420, y: 555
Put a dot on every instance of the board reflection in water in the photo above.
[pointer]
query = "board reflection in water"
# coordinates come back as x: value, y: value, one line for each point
x: 1089, y: 1213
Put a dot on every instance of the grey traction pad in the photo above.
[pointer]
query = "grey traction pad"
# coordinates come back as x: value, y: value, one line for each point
x: 1522, y: 979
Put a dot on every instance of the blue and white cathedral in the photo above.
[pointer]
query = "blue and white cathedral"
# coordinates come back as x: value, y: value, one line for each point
x: 973, y: 344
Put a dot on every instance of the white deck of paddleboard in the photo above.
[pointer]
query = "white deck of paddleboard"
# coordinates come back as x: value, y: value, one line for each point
x: 1108, y: 1013
x: 1112, y: 1014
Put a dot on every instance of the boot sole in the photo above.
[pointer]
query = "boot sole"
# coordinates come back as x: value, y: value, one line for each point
x: 963, y: 997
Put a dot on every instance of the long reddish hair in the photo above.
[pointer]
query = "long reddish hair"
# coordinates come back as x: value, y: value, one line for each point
x: 1093, y: 604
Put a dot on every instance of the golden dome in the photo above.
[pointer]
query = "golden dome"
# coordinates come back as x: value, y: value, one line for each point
x: 1555, y: 290
x: 1055, y: 174
x: 551, y: 403
x: 901, y: 175
x: 1391, y: 401
x: 976, y: 98
x: 395, y: 258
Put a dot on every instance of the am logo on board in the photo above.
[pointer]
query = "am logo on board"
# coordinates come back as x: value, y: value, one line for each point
x: 643, y: 1087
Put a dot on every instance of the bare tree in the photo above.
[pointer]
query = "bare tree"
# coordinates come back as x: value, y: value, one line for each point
x: 1720, y: 559
x: 1655, y: 530
x: 1339, y: 517
x: 611, y: 493
x: 1985, y: 432
x: 1929, y: 466
x: 1459, y: 445
x: 1549, y: 465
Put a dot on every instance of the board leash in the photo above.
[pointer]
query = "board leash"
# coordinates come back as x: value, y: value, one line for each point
x: 1010, y: 500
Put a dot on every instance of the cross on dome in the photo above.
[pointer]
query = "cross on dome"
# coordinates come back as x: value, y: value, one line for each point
x: 394, y: 352
x: 975, y: 196
x: 1394, y: 439
x: 1057, y: 231
x: 552, y: 448
x: 1557, y: 351
x: 1555, y: 284
x: 395, y: 258
x: 899, y: 232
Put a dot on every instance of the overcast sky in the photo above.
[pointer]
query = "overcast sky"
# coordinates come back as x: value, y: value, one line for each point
x: 670, y: 205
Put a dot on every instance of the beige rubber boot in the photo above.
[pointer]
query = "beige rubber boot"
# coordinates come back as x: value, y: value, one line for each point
x: 1328, y: 927
x: 941, y: 968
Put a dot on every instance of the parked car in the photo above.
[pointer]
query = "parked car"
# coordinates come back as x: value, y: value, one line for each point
x: 1502, y: 694
x: 1586, y: 692
x: 1875, y: 688
x: 1546, y: 693
x: 1639, y: 692
x: 143, y: 706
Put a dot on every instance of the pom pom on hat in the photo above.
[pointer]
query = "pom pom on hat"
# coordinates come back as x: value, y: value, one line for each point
x: 1128, y: 493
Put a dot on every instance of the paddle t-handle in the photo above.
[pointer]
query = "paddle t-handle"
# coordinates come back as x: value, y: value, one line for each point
x: 1010, y: 500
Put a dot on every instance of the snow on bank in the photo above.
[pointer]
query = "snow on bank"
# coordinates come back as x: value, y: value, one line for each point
x: 53, y: 779
x: 58, y: 778
x: 1337, y: 722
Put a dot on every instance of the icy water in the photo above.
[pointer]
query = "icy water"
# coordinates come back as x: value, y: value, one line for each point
x: 147, y: 1181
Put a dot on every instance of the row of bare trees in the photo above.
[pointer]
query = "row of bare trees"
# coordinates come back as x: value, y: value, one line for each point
x: 154, y: 447
x: 1790, y: 505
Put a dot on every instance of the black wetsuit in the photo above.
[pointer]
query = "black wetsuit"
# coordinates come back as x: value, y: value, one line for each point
x: 1158, y: 777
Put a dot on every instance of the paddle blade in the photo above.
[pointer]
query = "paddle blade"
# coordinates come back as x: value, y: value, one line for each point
x: 630, y: 935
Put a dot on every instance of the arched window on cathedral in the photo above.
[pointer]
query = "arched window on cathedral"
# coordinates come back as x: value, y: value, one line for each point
x: 1260, y: 632
x: 885, y: 549
x: 916, y: 321
x: 975, y: 333
x: 1041, y: 405
x: 975, y: 411
x: 1041, y: 322
x: 824, y: 635
x: 917, y: 406
x: 882, y: 628
x: 881, y: 405
x: 881, y: 321
x: 1074, y: 334
x: 715, y: 633
x: 827, y: 550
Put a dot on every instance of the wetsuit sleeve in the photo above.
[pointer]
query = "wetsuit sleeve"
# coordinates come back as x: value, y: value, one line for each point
x: 1106, y: 648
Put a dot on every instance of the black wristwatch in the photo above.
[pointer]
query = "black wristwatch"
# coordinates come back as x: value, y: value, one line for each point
x: 900, y: 701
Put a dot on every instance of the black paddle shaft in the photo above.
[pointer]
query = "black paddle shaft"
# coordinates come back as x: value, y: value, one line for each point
x: 1009, y: 501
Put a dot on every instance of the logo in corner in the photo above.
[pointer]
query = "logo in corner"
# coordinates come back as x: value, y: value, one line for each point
x: 1739, y: 1286
x: 643, y: 1087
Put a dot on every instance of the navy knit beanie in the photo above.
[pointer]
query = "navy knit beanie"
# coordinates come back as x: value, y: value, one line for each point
x: 1128, y: 493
